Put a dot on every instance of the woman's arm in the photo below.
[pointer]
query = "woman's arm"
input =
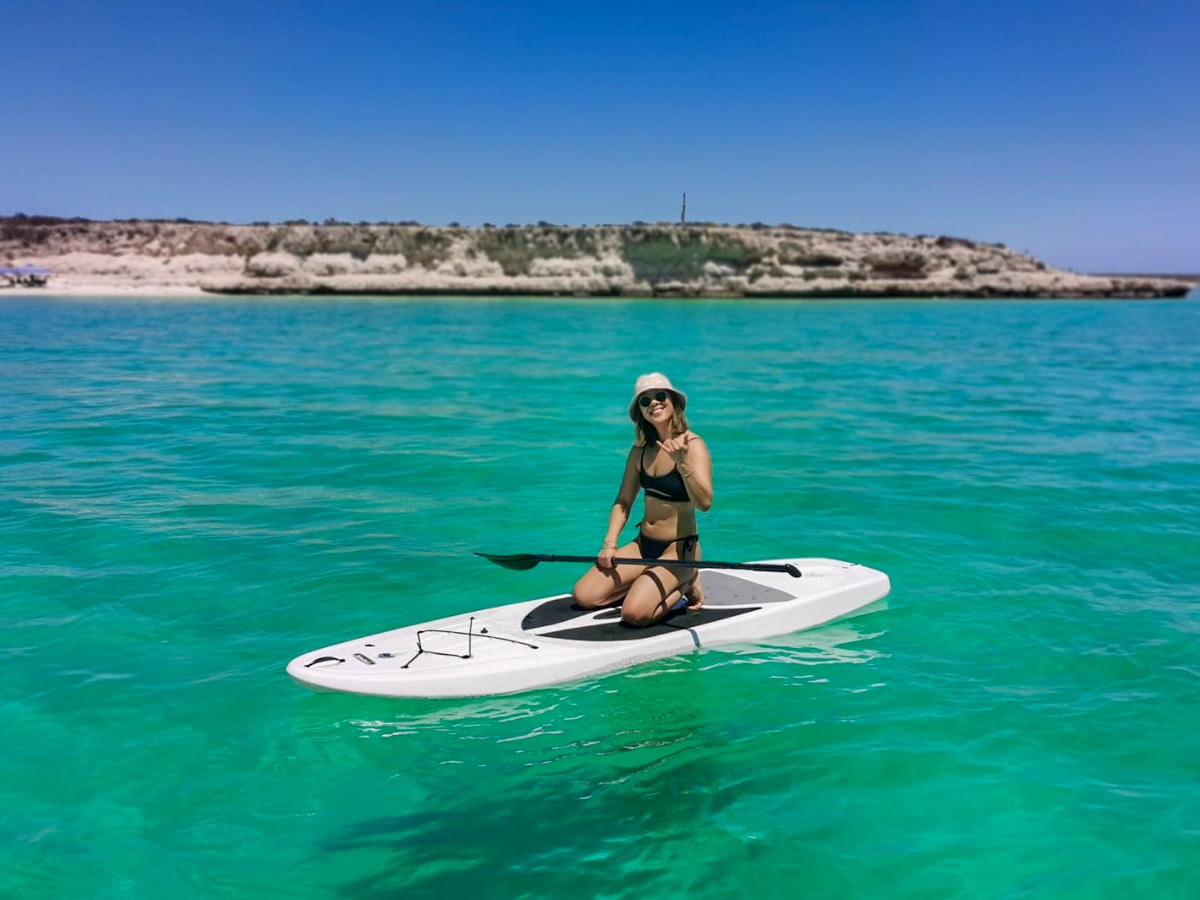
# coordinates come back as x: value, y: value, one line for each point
x: 695, y: 465
x: 619, y: 515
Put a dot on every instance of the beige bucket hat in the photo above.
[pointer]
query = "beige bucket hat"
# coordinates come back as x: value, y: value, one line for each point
x: 655, y: 381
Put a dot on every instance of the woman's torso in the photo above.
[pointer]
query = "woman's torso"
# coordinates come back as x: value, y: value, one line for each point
x: 664, y: 519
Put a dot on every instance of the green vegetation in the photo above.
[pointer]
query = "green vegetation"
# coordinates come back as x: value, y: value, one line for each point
x: 508, y: 247
x: 668, y: 253
x: 515, y: 248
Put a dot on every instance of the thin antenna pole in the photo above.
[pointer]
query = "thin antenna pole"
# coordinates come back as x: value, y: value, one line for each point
x: 683, y: 212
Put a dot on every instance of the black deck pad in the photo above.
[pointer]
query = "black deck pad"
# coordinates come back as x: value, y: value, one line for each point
x: 552, y: 612
x: 719, y: 589
x: 618, y: 631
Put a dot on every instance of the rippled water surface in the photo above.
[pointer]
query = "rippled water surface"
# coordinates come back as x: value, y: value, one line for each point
x: 194, y: 492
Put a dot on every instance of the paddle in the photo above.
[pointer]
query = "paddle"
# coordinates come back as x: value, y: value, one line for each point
x: 523, y: 561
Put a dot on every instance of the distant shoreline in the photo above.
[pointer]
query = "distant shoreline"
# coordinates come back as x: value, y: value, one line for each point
x: 1193, y: 280
x: 179, y: 258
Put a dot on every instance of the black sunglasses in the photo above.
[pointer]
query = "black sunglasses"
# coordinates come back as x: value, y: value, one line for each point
x: 644, y: 400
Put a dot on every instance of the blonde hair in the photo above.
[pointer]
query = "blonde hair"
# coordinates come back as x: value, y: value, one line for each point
x: 645, y: 433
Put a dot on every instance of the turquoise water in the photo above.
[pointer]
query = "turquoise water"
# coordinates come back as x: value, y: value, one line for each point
x: 194, y: 492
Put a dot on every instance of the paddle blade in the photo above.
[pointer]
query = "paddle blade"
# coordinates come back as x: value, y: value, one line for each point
x: 518, y: 561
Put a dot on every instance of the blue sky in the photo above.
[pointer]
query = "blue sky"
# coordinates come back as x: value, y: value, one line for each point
x: 1065, y: 128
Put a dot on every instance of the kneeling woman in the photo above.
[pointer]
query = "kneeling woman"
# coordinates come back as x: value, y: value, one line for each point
x: 671, y: 464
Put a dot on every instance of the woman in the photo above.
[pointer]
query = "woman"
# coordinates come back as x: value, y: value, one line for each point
x: 671, y: 464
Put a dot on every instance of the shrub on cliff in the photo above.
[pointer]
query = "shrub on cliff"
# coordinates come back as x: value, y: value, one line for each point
x: 793, y: 254
x: 659, y: 254
x: 508, y: 247
x: 272, y: 265
x: 357, y: 242
x: 426, y: 247
x: 897, y: 264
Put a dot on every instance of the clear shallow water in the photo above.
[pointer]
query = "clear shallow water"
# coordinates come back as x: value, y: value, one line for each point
x: 192, y: 493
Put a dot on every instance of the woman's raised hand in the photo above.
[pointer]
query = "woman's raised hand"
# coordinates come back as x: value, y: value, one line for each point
x: 677, y: 447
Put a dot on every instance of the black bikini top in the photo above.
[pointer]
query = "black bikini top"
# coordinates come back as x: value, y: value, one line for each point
x: 663, y: 487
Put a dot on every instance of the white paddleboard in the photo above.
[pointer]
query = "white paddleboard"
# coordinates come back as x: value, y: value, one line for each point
x: 542, y: 642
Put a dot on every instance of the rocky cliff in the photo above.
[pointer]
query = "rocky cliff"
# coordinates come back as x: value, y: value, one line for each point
x: 629, y: 260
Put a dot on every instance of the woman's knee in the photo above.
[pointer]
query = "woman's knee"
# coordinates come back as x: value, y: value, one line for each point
x: 648, y: 601
x: 639, y: 616
x: 582, y: 596
x: 591, y: 592
x: 586, y: 600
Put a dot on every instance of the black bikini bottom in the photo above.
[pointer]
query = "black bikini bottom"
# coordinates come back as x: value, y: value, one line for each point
x: 652, y: 548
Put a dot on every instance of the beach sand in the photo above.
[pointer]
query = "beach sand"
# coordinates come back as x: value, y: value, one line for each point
x: 102, y: 275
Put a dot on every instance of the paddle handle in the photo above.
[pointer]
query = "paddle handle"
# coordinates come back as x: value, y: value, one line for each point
x: 786, y: 568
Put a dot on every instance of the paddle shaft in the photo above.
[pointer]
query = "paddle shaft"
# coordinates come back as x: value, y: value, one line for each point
x: 678, y: 563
